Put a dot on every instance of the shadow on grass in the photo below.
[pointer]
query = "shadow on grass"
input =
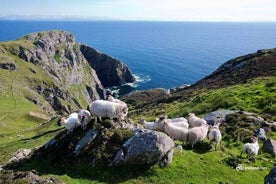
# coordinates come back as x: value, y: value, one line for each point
x: 82, y: 171
x: 199, y: 148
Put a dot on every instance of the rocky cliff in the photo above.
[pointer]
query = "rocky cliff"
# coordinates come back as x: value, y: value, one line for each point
x: 50, y: 70
x: 110, y: 71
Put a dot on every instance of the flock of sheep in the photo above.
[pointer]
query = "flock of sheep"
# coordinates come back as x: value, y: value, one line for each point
x: 189, y: 131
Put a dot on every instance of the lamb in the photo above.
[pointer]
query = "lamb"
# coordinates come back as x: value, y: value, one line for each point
x: 251, y: 149
x: 148, y: 125
x: 215, y: 134
x: 195, y: 121
x: 196, y: 134
x: 84, y: 117
x: 71, y: 122
x: 104, y: 108
x: 175, y: 132
x: 181, y: 122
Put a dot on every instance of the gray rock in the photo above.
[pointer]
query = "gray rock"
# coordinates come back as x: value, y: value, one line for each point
x: 145, y: 148
x: 20, y: 154
x: 271, y: 177
x: 219, y: 113
x: 270, y: 146
x: 260, y: 133
x: 8, y: 66
x: 86, y: 139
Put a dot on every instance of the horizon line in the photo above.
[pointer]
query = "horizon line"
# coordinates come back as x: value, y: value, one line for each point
x: 132, y: 20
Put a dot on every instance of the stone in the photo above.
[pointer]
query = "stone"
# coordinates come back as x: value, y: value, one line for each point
x: 260, y: 133
x: 270, y: 146
x: 145, y: 148
x: 271, y: 177
x: 20, y: 154
x: 86, y: 139
x: 210, y: 117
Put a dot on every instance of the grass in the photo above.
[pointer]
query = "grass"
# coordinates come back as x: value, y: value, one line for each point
x: 257, y: 96
x: 200, y: 165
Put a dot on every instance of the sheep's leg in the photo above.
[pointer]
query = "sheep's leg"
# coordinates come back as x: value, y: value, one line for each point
x: 241, y: 153
x: 216, y: 147
x: 100, y: 118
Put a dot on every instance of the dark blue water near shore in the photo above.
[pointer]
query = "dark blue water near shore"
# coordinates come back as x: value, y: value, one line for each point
x: 160, y: 54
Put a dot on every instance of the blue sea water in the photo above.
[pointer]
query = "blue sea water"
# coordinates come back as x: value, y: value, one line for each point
x: 160, y: 54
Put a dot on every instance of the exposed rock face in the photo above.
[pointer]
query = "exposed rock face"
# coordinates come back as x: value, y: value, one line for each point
x: 57, y: 76
x: 110, y: 71
x: 270, y: 146
x: 9, y: 177
x: 271, y: 177
x: 145, y: 148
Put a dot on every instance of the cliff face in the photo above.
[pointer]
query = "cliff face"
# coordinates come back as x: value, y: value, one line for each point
x: 110, y: 71
x: 50, y: 71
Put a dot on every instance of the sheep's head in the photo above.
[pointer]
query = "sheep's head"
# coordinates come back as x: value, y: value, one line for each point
x: 61, y: 121
x: 254, y: 139
x: 143, y: 121
x: 191, y: 114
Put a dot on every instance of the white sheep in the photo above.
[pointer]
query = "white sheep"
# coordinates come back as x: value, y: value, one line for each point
x: 251, y: 149
x: 181, y: 122
x: 148, y: 125
x: 160, y: 123
x: 71, y: 122
x: 196, y: 134
x: 84, y: 117
x: 195, y: 121
x: 104, y: 108
x: 215, y: 134
x: 175, y: 132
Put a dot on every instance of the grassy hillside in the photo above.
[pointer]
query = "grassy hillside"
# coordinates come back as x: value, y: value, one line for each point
x: 23, y: 124
x: 200, y: 165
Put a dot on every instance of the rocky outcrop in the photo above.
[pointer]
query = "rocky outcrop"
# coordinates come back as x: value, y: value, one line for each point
x: 105, y: 144
x: 241, y: 69
x: 110, y: 71
x: 56, y: 75
x: 9, y: 177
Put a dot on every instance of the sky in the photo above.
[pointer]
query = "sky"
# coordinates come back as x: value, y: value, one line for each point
x: 149, y: 10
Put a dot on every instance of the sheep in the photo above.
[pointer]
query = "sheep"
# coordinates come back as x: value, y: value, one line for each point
x: 160, y: 123
x: 71, y: 122
x: 251, y: 149
x: 175, y: 132
x: 195, y: 121
x: 196, y: 134
x: 84, y: 117
x: 148, y: 125
x: 181, y: 122
x: 215, y: 134
x: 104, y: 108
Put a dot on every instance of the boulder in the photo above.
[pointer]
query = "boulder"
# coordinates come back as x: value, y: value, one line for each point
x: 145, y: 148
x: 218, y: 113
x: 270, y: 146
x: 271, y: 177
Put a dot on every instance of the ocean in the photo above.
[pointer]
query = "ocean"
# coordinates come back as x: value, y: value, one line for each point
x: 160, y: 54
